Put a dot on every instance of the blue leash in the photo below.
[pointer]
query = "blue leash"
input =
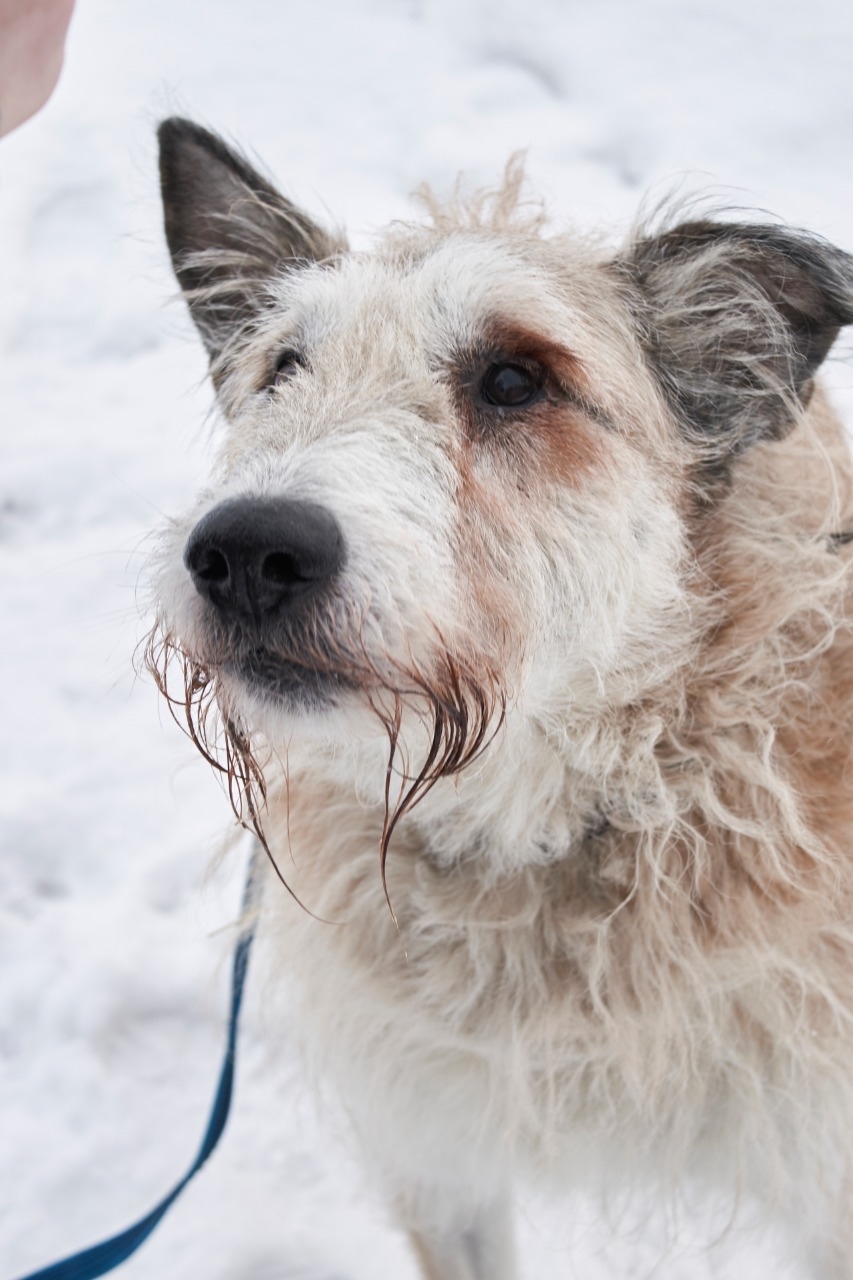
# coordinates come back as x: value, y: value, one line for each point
x: 103, y: 1257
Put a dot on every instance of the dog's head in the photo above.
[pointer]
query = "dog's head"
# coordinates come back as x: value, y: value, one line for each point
x: 460, y: 472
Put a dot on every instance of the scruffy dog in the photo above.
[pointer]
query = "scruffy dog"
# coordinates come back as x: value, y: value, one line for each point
x: 525, y: 566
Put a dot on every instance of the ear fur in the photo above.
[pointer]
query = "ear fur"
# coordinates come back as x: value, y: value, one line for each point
x: 228, y: 230
x: 735, y: 320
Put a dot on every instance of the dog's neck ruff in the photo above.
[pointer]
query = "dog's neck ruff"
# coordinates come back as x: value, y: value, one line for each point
x: 577, y: 848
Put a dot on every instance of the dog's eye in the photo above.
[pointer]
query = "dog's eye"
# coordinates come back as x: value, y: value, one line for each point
x: 510, y: 386
x: 285, y: 367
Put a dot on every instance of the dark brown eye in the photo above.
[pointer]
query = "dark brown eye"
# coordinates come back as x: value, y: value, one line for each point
x: 285, y: 367
x: 510, y: 386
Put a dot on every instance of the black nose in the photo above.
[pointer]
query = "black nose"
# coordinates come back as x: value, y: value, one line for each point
x: 252, y: 557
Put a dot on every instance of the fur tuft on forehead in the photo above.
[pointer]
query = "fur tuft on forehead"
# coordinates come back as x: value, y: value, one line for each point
x: 506, y: 207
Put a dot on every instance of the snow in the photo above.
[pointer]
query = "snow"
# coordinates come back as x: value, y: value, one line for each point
x: 114, y: 925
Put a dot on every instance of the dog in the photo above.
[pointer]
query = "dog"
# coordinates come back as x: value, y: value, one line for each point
x: 517, y: 613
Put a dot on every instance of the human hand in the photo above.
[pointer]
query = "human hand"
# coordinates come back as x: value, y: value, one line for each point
x: 32, y: 45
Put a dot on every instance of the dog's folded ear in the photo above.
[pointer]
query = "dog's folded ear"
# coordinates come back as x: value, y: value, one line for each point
x: 735, y: 320
x: 228, y: 230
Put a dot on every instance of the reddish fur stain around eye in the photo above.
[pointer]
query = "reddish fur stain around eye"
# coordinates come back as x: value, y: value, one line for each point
x: 515, y: 340
x: 557, y: 438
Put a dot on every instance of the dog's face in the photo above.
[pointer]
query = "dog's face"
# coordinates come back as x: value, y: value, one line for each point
x: 459, y: 473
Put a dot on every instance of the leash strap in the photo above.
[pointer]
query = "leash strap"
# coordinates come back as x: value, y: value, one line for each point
x: 103, y: 1257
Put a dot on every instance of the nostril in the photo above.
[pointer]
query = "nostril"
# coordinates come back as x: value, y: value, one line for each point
x: 210, y: 565
x: 281, y: 570
x: 251, y: 558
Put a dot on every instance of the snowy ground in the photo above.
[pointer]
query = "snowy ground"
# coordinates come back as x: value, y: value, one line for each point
x: 112, y: 950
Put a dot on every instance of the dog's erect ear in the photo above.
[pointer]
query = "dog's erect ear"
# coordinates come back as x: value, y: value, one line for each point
x: 735, y: 320
x: 229, y: 231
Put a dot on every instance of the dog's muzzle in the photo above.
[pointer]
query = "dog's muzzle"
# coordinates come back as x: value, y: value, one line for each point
x: 257, y: 560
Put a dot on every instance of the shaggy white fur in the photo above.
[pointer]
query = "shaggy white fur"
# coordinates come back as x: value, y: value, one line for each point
x: 583, y: 673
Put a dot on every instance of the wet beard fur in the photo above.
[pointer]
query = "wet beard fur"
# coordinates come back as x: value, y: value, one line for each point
x: 460, y: 710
